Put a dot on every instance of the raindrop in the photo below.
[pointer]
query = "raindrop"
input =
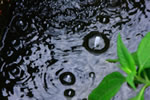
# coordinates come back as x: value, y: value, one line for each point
x: 19, y: 24
x: 92, y: 74
x: 69, y: 93
x: 96, y: 42
x: 103, y: 19
x: 67, y: 78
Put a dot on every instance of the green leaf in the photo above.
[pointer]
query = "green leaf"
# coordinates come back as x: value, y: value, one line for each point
x: 112, y: 60
x: 134, y: 56
x: 130, y: 80
x: 140, y: 95
x: 143, y: 52
x: 125, y: 58
x: 109, y: 86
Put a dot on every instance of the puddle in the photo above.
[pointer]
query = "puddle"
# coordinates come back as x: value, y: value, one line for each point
x: 57, y: 49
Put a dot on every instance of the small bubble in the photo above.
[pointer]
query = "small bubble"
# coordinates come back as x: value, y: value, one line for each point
x: 69, y: 93
x: 103, y: 19
x: 51, y: 46
x: 92, y: 74
x: 67, y: 78
x: 19, y: 24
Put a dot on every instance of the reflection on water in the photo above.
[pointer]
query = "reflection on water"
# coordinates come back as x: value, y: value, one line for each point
x: 57, y: 49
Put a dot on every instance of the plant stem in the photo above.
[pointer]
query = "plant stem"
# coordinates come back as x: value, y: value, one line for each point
x: 141, y: 79
x: 146, y: 78
x: 142, y: 92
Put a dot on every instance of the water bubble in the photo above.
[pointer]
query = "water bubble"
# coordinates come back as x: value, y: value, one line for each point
x: 19, y: 24
x: 103, y: 19
x: 96, y: 42
x: 69, y: 93
x: 92, y: 74
x: 67, y: 78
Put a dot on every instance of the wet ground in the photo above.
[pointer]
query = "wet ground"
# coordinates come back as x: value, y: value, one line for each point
x: 56, y: 49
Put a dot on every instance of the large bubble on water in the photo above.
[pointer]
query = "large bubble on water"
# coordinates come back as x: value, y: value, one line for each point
x: 96, y: 42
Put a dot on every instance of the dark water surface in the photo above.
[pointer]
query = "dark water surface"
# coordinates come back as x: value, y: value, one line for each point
x: 56, y: 49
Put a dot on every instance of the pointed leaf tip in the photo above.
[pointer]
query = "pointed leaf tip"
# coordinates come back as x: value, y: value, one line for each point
x: 109, y: 86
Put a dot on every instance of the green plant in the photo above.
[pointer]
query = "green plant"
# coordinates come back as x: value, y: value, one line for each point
x: 136, y: 66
